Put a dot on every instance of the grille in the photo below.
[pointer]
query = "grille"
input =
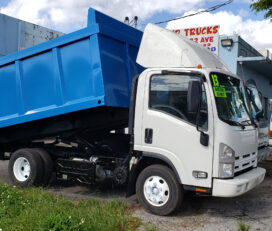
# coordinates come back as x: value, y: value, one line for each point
x: 245, y: 161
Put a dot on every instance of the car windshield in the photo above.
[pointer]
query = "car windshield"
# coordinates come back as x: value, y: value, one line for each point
x: 229, y: 97
x: 255, y: 102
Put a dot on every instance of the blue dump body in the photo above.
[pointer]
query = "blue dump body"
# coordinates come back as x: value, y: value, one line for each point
x: 89, y: 68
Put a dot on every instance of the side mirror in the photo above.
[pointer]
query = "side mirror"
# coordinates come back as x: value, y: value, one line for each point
x: 204, y: 139
x: 193, y: 96
x: 259, y: 115
x: 260, y: 95
x: 270, y: 104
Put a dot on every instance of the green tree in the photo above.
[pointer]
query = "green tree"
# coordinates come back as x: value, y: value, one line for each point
x: 263, y: 5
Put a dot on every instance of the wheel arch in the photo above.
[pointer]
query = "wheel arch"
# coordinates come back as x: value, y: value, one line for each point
x: 145, y: 160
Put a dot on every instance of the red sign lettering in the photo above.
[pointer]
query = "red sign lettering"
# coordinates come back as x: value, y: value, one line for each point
x: 192, y: 31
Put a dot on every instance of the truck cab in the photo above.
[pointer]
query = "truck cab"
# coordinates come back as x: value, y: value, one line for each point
x: 191, y: 114
x: 256, y: 111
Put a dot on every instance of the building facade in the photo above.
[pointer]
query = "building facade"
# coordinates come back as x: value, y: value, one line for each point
x: 17, y: 35
x: 248, y: 63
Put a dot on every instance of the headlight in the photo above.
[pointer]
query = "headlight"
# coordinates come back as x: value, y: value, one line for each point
x: 226, y: 170
x: 226, y: 161
x: 226, y: 155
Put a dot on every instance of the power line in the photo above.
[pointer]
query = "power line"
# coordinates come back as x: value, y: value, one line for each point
x: 213, y: 8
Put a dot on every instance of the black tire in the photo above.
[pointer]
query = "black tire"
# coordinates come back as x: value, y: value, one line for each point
x: 47, y: 163
x: 36, y: 168
x: 175, y: 190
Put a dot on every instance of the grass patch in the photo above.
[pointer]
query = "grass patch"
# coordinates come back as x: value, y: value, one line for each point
x: 34, y: 209
x: 151, y: 228
x: 242, y: 226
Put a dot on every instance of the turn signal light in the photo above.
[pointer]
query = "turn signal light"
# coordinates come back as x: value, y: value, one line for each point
x: 200, y: 190
x: 199, y: 66
x: 199, y: 174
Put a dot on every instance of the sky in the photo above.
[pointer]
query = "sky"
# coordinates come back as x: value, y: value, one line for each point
x: 69, y: 15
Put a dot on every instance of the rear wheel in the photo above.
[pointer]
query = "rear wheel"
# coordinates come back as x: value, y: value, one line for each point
x: 25, y: 168
x: 48, y: 165
x: 158, y: 190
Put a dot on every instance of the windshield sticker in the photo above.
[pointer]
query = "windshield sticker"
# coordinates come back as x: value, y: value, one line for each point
x: 215, y: 80
x: 220, y: 92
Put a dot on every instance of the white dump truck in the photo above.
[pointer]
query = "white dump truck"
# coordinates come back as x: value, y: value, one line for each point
x: 66, y: 102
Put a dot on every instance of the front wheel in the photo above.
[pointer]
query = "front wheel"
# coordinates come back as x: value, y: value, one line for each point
x: 158, y: 190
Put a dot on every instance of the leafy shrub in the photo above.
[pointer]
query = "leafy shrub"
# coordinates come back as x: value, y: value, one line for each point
x: 242, y: 226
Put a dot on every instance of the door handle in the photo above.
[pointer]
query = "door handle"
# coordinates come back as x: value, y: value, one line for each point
x: 148, y: 135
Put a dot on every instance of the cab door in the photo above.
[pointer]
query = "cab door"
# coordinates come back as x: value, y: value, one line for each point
x: 168, y: 129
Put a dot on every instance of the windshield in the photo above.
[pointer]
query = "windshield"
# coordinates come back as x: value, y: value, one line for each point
x: 255, y: 102
x: 229, y: 98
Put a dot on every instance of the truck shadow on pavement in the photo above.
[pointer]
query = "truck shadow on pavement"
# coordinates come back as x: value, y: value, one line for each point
x: 254, y: 206
x: 103, y: 191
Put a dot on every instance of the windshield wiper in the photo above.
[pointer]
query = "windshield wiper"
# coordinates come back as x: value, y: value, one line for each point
x: 231, y: 122
x: 252, y: 122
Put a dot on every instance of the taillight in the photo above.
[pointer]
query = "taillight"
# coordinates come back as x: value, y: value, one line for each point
x: 270, y: 133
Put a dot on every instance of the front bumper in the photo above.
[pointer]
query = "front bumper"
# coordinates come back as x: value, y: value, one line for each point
x: 238, y: 185
x: 263, y: 153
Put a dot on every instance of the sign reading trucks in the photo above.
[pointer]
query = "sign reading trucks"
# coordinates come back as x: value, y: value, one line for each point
x: 206, y: 36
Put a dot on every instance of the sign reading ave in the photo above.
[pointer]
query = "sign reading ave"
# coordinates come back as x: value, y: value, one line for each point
x: 206, y: 36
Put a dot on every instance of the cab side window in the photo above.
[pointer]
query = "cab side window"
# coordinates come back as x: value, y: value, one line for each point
x: 168, y: 94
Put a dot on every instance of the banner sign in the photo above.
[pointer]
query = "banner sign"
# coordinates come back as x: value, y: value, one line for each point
x: 206, y: 36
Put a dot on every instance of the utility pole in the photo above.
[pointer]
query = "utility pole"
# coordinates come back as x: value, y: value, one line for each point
x: 133, y: 22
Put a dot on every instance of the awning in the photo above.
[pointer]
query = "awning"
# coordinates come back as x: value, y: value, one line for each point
x: 258, y: 64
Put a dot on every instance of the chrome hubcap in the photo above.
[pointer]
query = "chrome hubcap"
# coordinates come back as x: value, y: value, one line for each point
x: 21, y: 169
x: 156, y: 191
